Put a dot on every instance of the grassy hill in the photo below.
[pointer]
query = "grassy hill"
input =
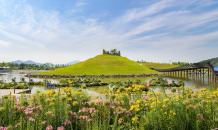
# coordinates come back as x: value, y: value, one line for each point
x: 103, y: 64
x: 213, y: 61
x: 158, y: 65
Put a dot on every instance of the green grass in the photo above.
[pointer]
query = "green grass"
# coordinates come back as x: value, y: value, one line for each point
x: 158, y: 65
x: 103, y: 64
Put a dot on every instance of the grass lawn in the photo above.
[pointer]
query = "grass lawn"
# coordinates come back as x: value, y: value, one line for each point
x: 158, y: 65
x: 103, y: 64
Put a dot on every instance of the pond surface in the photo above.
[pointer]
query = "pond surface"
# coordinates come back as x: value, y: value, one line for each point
x: 197, y: 81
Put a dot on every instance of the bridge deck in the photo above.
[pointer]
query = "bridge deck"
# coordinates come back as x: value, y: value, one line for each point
x: 191, y: 67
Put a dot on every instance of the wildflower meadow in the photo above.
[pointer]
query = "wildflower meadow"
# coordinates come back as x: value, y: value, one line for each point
x: 184, y: 108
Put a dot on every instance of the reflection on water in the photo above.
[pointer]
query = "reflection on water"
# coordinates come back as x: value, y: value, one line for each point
x: 191, y: 81
x: 34, y: 90
x: 7, y: 77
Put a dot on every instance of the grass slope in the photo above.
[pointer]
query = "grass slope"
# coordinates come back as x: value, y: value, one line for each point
x: 103, y: 64
x: 159, y: 65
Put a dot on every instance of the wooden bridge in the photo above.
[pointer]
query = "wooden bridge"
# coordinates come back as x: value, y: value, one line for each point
x: 193, y: 69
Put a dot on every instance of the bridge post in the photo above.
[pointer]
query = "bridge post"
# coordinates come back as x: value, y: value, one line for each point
x: 196, y: 72
x: 187, y: 74
x: 203, y: 73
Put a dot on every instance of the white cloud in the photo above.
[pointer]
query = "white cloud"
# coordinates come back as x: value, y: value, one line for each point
x: 80, y: 3
x: 139, y: 13
x: 3, y: 43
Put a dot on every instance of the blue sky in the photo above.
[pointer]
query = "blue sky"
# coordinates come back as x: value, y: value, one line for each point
x: 151, y: 30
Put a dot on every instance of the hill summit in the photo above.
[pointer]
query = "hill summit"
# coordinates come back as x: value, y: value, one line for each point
x: 103, y: 64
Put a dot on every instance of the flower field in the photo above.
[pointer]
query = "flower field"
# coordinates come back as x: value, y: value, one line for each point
x: 123, y: 109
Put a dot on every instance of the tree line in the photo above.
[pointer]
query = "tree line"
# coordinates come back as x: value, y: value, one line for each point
x: 24, y: 66
x: 112, y: 52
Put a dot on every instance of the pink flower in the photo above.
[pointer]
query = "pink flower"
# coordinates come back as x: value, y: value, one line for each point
x: 90, y: 119
x: 119, y: 121
x: 68, y: 105
x: 60, y: 128
x: 84, y: 103
x: 23, y: 107
x: 169, y: 82
x: 145, y: 97
x: 44, y: 122
x: 31, y: 119
x: 128, y: 113
x: 83, y: 110
x: 27, y: 112
x: 83, y: 117
x: 147, y: 83
x: 16, y: 125
x: 91, y: 110
x: 67, y: 122
x: 111, y: 107
x: 49, y: 127
x: 3, y: 128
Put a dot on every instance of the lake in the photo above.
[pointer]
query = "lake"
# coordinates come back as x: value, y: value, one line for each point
x: 198, y: 82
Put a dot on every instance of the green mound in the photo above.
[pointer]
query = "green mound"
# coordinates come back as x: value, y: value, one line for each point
x: 103, y: 64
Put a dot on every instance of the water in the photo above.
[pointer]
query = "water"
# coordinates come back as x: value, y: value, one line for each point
x: 197, y: 81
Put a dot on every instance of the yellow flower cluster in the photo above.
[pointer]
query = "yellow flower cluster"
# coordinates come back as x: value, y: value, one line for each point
x: 134, y: 119
x: 77, y: 93
x: 67, y: 89
x: 50, y: 92
x: 135, y: 107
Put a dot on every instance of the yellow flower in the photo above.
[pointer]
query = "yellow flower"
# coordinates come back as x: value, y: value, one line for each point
x: 165, y: 112
x: 166, y: 100
x: 134, y: 119
x: 121, y: 119
x: 174, y: 113
x: 138, y: 101
x: 203, y: 89
x: 69, y: 99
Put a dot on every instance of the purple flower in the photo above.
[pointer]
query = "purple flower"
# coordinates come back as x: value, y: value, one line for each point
x: 60, y: 128
x: 67, y: 122
x: 49, y: 127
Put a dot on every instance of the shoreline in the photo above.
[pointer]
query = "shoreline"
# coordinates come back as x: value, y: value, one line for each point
x: 97, y: 76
